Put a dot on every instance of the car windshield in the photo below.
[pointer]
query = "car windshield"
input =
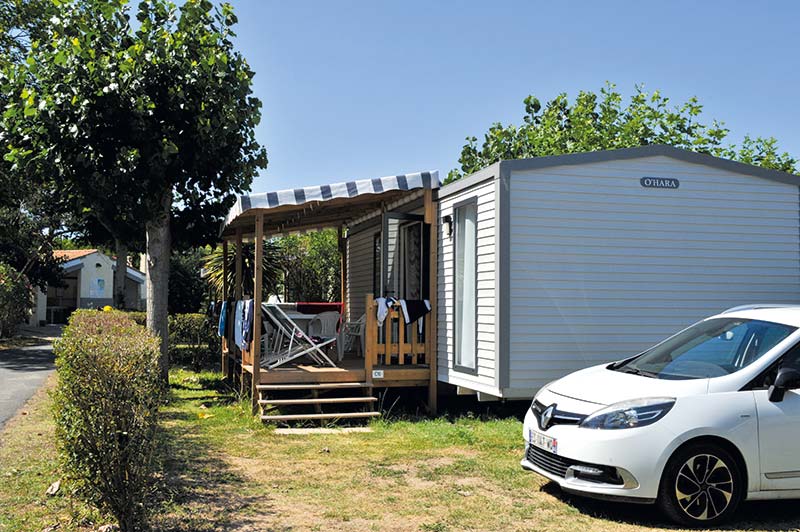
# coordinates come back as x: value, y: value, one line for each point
x: 711, y: 348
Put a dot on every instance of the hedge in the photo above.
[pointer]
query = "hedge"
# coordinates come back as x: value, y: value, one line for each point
x: 192, y: 339
x: 106, y: 412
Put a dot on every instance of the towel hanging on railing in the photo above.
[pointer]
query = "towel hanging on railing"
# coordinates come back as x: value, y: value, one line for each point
x: 415, y: 309
x: 383, y: 308
x: 247, y: 321
x: 223, y: 316
x: 238, y: 319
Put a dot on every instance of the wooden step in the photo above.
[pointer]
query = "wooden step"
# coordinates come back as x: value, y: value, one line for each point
x: 319, y: 400
x: 320, y: 386
x: 333, y: 415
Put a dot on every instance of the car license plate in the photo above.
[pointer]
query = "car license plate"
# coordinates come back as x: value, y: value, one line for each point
x: 543, y: 442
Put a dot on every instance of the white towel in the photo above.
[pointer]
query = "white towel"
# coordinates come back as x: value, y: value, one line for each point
x: 383, y: 308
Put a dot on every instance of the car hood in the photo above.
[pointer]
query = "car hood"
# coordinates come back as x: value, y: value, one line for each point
x: 602, y: 386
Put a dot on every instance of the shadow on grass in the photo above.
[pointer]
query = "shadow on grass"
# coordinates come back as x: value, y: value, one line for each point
x: 774, y: 516
x: 200, y: 491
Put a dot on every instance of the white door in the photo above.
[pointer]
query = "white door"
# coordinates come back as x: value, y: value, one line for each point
x: 779, y: 432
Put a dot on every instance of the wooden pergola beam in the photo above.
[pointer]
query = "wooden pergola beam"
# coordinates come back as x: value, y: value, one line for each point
x: 431, y: 340
x: 258, y: 276
x: 225, y: 299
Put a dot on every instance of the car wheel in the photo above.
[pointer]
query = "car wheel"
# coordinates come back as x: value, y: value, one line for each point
x: 702, y: 486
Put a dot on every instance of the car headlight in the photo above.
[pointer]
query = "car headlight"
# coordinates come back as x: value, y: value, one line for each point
x: 630, y: 414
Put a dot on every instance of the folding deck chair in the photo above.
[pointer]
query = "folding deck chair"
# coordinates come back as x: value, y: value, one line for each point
x: 286, y: 341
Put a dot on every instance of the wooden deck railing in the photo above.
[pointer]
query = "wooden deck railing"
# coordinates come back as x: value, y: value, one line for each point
x: 395, y: 343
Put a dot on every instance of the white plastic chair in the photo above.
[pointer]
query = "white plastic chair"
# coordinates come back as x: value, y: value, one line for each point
x: 324, y: 325
x: 348, y: 334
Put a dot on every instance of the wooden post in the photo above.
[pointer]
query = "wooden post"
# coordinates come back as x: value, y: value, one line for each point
x: 371, y: 338
x: 431, y: 341
x: 255, y: 348
x: 343, y: 273
x: 225, y: 299
x: 237, y: 296
x: 401, y: 338
x: 387, y: 336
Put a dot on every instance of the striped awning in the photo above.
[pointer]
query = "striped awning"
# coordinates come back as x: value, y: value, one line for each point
x: 283, y: 201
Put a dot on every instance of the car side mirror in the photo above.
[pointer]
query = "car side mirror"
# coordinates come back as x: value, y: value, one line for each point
x: 787, y: 379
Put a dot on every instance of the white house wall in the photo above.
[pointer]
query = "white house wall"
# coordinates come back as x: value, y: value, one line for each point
x: 91, y: 293
x: 485, y: 380
x: 602, y: 267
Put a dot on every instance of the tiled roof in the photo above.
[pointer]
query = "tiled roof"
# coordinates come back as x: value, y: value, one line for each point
x: 72, y: 254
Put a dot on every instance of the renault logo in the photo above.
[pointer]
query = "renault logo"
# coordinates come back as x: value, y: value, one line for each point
x: 547, y: 416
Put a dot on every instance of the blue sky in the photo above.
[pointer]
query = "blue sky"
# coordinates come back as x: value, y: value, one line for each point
x: 361, y: 89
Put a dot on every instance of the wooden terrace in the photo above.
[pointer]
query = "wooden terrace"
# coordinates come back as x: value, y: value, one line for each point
x: 396, y: 354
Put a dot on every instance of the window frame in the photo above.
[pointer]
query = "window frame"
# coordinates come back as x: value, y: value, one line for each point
x: 473, y: 200
x: 753, y: 384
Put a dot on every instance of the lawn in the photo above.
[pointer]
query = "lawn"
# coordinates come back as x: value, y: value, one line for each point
x: 224, y: 471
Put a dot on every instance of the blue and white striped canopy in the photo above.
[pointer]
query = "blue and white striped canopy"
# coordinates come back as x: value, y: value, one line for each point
x: 323, y: 193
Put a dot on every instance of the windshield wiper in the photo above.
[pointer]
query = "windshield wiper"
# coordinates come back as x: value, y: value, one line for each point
x: 637, y: 371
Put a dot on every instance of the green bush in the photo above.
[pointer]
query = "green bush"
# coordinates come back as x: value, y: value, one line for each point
x: 15, y: 300
x: 106, y: 412
x: 192, y: 339
x: 139, y: 317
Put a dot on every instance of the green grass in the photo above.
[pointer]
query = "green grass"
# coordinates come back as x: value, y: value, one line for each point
x: 223, y: 470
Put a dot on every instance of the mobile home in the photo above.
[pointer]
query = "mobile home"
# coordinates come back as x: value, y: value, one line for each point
x: 552, y: 264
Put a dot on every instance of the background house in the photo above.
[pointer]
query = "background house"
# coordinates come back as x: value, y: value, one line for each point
x: 88, y: 283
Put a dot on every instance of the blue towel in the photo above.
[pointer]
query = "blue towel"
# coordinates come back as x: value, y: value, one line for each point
x: 223, y: 316
x: 237, y: 324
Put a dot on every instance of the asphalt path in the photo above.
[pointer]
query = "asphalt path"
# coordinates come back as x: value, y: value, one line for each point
x: 22, y: 371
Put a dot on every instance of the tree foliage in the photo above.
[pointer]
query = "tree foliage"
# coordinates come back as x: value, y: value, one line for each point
x: 271, y: 266
x: 187, y: 290
x: 150, y: 127
x: 312, y: 266
x: 15, y: 299
x: 602, y: 122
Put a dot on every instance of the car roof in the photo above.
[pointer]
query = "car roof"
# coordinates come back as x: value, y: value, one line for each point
x: 786, y: 314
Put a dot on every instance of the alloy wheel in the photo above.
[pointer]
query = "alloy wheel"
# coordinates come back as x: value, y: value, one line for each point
x: 704, y: 487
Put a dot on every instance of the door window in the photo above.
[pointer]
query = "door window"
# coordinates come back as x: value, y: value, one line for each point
x: 465, y: 285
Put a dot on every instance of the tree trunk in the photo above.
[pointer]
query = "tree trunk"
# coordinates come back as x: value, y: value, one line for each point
x: 158, y: 253
x: 120, y: 274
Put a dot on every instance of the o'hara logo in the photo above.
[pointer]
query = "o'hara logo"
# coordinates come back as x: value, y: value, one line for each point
x: 659, y: 182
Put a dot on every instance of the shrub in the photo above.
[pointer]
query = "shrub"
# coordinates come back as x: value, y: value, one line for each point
x: 106, y: 412
x: 140, y: 318
x: 15, y: 300
x: 192, y: 338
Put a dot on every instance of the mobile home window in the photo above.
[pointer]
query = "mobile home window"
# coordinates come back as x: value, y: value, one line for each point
x: 465, y: 285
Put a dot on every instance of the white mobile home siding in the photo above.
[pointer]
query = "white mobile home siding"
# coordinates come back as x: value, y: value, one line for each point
x: 485, y: 380
x: 601, y: 267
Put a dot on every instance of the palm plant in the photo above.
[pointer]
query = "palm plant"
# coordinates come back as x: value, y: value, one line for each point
x: 272, y: 269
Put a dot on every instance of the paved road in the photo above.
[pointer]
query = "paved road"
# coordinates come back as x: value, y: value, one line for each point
x: 22, y: 372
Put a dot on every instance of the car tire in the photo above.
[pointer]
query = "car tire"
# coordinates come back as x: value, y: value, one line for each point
x: 702, y: 486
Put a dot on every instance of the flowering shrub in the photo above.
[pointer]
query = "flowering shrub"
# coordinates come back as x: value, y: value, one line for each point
x: 15, y: 300
x: 106, y: 412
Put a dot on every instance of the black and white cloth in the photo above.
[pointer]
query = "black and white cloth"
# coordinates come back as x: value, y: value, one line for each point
x: 415, y: 309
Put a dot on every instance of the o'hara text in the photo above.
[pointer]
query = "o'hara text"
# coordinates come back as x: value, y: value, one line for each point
x: 659, y: 182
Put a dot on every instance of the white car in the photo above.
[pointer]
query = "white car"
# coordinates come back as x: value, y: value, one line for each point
x: 698, y: 423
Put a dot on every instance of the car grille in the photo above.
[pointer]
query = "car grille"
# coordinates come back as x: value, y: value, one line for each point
x: 558, y: 465
x: 552, y: 463
x: 560, y: 417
